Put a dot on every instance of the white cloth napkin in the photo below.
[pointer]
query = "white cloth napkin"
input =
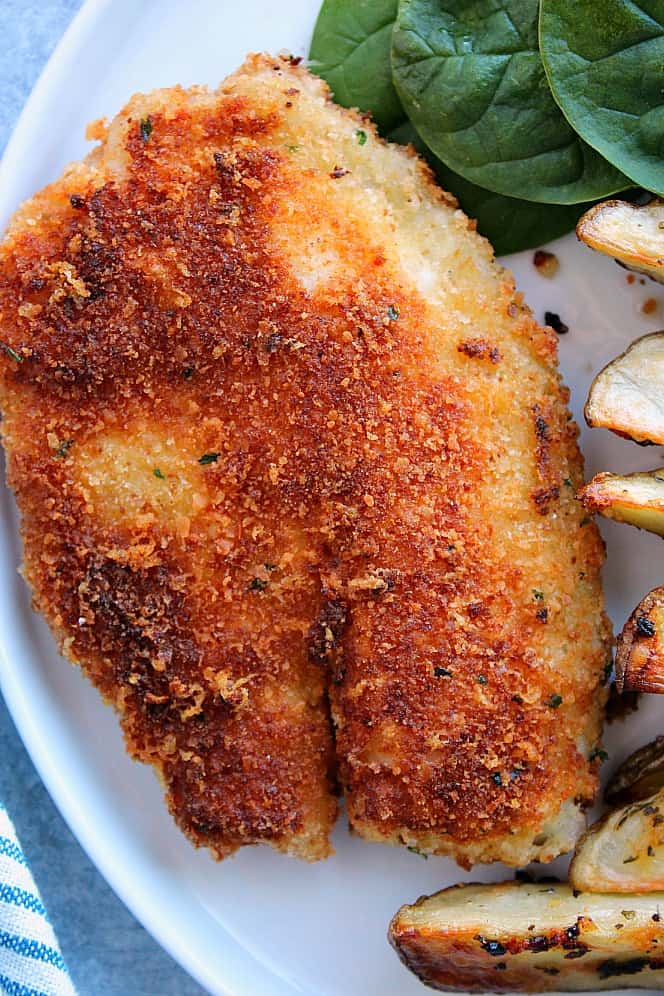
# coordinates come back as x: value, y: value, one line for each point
x: 30, y: 959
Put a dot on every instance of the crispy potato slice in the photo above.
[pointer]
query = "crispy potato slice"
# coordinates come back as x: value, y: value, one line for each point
x: 627, y: 396
x: 640, y: 651
x: 531, y: 937
x: 639, y: 776
x: 624, y: 851
x: 633, y: 234
x: 637, y: 499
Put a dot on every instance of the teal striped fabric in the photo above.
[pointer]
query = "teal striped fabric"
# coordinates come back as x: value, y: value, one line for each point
x: 30, y: 959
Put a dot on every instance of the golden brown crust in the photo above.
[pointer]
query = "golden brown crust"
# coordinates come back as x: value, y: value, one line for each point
x: 388, y: 479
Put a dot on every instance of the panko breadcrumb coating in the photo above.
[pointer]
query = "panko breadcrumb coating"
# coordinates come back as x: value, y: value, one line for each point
x: 285, y: 439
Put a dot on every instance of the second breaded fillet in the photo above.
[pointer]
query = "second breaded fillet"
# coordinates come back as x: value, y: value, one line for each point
x: 276, y: 422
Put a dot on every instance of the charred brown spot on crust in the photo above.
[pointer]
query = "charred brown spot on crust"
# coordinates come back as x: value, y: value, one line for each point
x: 545, y: 497
x: 479, y: 349
x: 326, y: 632
x: 549, y: 436
x: 542, y: 441
x: 541, y: 426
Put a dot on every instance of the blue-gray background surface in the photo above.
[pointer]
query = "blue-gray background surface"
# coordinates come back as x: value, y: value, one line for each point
x: 108, y: 952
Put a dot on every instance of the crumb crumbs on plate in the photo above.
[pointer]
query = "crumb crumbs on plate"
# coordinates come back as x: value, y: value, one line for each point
x: 546, y: 263
x: 554, y: 321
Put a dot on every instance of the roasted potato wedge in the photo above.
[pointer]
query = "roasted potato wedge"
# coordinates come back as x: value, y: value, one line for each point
x: 637, y: 499
x: 639, y: 776
x: 633, y: 234
x: 627, y: 396
x: 640, y: 650
x: 622, y: 852
x: 531, y: 937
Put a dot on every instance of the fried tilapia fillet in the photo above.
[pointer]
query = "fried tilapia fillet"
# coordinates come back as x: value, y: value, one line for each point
x: 296, y: 477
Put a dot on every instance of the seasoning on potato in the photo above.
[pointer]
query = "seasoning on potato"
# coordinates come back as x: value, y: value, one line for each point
x: 640, y: 650
x: 624, y: 851
x: 531, y: 937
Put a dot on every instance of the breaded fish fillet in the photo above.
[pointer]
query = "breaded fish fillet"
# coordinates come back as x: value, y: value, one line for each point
x: 277, y: 424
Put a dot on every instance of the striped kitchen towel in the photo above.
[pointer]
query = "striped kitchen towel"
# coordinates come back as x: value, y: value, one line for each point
x: 30, y: 959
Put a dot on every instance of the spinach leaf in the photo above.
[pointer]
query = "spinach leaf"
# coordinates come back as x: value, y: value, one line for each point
x: 471, y: 79
x: 350, y: 49
x: 605, y: 64
x: 509, y: 223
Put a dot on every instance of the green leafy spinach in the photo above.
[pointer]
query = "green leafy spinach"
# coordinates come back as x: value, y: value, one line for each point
x: 510, y: 224
x: 605, y: 64
x: 350, y: 49
x: 471, y: 79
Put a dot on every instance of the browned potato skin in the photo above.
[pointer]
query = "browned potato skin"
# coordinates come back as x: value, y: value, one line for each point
x: 623, y: 851
x: 577, y: 955
x: 631, y: 249
x: 638, y: 777
x: 635, y: 499
x: 640, y: 651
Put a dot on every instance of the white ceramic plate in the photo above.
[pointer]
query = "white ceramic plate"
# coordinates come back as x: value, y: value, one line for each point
x: 259, y: 924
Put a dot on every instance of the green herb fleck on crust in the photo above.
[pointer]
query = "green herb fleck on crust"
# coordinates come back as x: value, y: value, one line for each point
x: 146, y: 128
x: 554, y: 701
x: 360, y: 135
x: 208, y: 458
x: 157, y: 473
x: 257, y: 584
x: 63, y: 448
x: 12, y: 353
